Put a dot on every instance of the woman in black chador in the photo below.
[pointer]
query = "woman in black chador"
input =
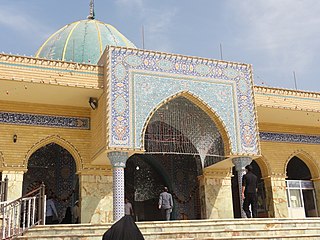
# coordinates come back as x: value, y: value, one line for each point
x: 124, y: 229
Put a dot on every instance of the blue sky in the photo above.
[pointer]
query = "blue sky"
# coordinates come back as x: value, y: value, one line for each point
x: 276, y: 36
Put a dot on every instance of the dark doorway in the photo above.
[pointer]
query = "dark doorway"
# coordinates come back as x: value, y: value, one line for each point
x: 262, y: 206
x: 300, y: 190
x: 298, y: 170
x: 262, y: 201
x: 145, y: 177
x: 55, y: 166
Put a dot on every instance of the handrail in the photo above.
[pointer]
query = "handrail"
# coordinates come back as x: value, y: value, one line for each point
x: 23, y: 213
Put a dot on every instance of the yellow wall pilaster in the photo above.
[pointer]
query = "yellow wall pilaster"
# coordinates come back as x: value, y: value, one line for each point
x: 96, y: 197
x: 15, y: 181
x: 215, y: 194
x: 276, y: 186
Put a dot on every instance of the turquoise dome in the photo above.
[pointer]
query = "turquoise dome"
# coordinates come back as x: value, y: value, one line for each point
x: 83, y: 41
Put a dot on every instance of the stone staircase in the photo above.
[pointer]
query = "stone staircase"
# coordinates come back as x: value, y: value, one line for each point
x: 221, y: 229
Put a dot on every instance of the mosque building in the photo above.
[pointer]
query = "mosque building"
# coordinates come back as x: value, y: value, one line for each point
x: 97, y: 120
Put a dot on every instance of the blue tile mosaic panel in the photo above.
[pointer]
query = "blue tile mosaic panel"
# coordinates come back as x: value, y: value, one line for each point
x: 289, y: 138
x: 147, y: 96
x: 140, y: 80
x: 44, y: 120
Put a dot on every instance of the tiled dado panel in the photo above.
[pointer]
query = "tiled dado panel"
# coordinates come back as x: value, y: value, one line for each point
x: 141, y: 80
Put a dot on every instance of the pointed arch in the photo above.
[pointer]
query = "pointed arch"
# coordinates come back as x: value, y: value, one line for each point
x: 61, y: 142
x: 307, y: 159
x: 264, y: 166
x: 204, y: 107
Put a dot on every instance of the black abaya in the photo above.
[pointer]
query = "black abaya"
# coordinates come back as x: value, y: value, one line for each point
x: 124, y: 229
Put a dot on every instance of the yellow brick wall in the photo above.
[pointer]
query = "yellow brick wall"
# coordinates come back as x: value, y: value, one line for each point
x: 99, y: 127
x: 28, y: 69
x: 278, y: 154
x: 287, y: 99
x: 76, y: 141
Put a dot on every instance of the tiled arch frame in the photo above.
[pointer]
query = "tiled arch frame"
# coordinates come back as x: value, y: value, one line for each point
x: 61, y: 142
x: 308, y: 160
x: 202, y: 105
x: 138, y: 80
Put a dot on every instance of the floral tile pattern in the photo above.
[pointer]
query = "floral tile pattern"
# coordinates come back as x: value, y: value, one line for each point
x: 140, y: 81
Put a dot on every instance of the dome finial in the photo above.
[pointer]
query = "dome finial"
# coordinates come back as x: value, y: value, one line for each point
x: 91, y: 13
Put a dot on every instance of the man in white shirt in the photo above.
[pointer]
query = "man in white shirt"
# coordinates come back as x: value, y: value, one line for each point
x: 128, y: 207
x: 51, y: 210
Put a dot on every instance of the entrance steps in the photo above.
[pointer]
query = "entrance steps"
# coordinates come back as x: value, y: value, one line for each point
x: 219, y: 229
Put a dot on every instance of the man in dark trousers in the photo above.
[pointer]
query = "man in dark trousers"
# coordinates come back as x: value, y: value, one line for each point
x: 249, y: 192
x: 165, y: 204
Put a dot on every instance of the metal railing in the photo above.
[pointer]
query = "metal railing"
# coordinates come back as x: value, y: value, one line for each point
x: 4, y: 189
x: 19, y: 215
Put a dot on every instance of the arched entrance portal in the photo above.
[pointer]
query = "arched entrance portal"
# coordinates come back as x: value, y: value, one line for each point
x: 55, y: 166
x: 300, y: 190
x: 180, y: 140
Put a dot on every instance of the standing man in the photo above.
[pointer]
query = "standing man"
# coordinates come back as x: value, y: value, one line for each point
x: 249, y: 192
x: 165, y: 204
x: 128, y: 210
x: 51, y: 211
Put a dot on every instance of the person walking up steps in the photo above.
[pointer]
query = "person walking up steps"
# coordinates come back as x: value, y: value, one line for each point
x: 165, y: 204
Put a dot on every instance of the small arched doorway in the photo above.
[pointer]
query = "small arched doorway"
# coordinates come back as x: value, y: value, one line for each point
x: 55, y: 167
x: 300, y: 190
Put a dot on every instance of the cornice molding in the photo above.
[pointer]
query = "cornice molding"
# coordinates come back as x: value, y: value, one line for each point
x: 194, y: 59
x: 286, y: 92
x: 48, y: 63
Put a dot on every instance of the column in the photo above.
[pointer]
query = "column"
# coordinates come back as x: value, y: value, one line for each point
x: 118, y: 161
x: 240, y: 163
x: 216, y: 194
